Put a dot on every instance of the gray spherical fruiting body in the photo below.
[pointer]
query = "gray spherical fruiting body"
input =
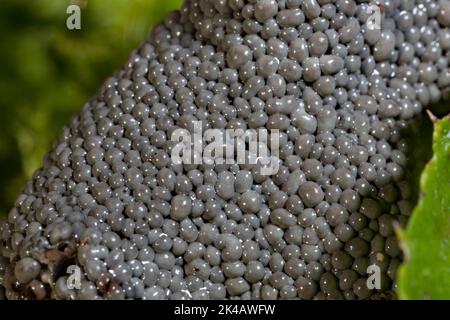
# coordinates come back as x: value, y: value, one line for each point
x: 130, y: 223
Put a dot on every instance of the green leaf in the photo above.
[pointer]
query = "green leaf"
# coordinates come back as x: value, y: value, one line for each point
x: 426, y: 241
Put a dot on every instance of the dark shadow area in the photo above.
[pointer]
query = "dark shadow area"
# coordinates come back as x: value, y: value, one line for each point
x: 418, y: 136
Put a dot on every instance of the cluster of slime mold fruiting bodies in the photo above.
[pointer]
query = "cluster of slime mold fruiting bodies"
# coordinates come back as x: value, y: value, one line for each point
x: 110, y: 201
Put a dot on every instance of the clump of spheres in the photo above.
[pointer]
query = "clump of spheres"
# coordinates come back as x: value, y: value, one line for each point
x: 110, y: 202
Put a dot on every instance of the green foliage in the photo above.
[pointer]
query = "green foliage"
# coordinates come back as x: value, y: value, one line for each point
x: 426, y: 241
x: 48, y: 72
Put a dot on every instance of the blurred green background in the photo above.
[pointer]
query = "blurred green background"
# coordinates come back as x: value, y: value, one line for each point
x: 48, y: 72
